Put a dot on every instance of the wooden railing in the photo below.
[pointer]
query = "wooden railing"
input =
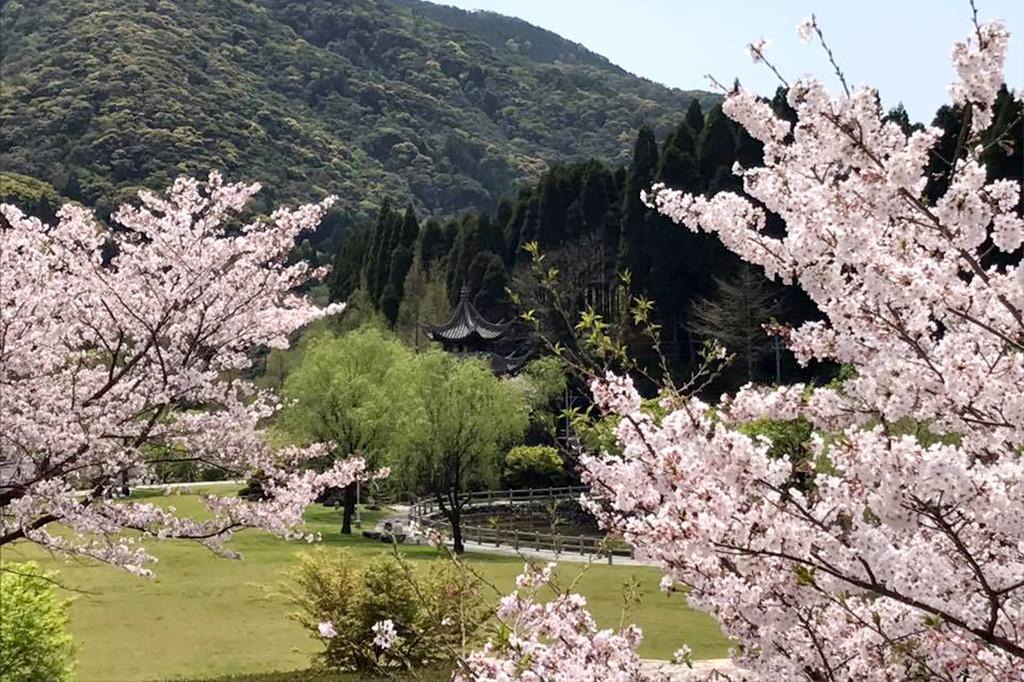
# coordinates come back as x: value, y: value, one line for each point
x: 427, y: 513
x: 428, y: 506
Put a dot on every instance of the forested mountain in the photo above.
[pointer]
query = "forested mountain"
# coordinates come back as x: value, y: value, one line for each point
x: 365, y: 99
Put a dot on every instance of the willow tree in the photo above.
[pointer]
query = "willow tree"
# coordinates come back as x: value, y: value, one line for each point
x: 343, y: 393
x: 456, y: 421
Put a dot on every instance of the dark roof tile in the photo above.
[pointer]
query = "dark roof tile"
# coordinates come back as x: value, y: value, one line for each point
x: 466, y: 321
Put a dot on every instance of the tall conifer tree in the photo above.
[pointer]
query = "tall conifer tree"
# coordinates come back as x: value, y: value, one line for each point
x: 716, y: 146
x: 635, y: 215
x: 695, y: 117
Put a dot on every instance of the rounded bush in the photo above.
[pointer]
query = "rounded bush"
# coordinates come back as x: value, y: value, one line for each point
x: 434, y: 609
x: 533, y: 466
x: 34, y: 642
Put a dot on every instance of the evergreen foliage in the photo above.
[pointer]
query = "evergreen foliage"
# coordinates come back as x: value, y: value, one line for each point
x: 425, y: 301
x: 694, y: 118
x: 32, y: 196
x: 636, y: 217
x: 588, y: 219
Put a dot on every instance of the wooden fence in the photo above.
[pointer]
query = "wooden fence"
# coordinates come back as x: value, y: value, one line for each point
x: 427, y: 513
x: 428, y: 506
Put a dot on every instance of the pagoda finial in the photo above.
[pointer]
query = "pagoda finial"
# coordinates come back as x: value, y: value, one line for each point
x: 466, y: 322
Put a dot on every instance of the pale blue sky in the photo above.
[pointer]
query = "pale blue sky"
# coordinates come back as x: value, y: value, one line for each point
x: 899, y: 46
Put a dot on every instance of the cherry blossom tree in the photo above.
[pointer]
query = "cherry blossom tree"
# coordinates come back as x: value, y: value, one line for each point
x: 552, y: 639
x: 121, y: 349
x: 901, y: 554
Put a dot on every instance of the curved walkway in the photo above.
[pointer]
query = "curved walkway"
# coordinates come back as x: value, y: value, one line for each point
x: 582, y: 548
x: 402, y: 517
x: 707, y: 669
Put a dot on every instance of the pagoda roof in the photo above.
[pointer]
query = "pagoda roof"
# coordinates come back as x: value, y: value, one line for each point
x: 500, y: 364
x: 465, y: 322
x: 510, y: 364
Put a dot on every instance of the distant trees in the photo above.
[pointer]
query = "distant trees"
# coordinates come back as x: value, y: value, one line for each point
x: 588, y: 221
x: 387, y: 250
x: 737, y: 314
x: 313, y: 97
x: 716, y: 152
x: 695, y: 117
x: 678, y: 162
x: 424, y: 301
x: 634, y: 251
x: 35, y: 197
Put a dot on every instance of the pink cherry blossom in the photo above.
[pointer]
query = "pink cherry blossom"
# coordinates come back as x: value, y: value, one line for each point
x: 552, y: 639
x: 615, y: 394
x: 979, y: 64
x: 121, y: 349
x: 755, y: 50
x: 906, y: 555
x: 533, y: 576
x: 384, y: 634
x: 805, y: 30
x: 899, y: 551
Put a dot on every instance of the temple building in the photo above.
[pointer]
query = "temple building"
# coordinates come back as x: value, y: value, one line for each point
x: 468, y: 334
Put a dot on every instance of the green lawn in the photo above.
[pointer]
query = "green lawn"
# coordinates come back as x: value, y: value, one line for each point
x: 204, y: 616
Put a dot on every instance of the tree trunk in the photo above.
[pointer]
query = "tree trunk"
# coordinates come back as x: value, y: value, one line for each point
x: 455, y: 517
x: 348, y: 509
x: 777, y: 345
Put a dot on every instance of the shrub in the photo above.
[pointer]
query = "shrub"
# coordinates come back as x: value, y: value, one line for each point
x: 532, y: 466
x: 34, y: 642
x: 597, y: 432
x: 436, y: 609
x: 788, y: 437
x: 255, y: 489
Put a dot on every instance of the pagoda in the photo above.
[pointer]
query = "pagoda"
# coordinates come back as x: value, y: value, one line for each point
x: 468, y: 334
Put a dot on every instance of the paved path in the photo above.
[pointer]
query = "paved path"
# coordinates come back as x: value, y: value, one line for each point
x: 189, y: 486
x: 548, y: 555
x: 182, y: 488
x: 707, y: 669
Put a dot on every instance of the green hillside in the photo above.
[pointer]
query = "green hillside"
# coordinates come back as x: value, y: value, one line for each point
x: 366, y: 99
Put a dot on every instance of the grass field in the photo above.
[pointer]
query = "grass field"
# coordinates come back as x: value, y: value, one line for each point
x: 204, y: 616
